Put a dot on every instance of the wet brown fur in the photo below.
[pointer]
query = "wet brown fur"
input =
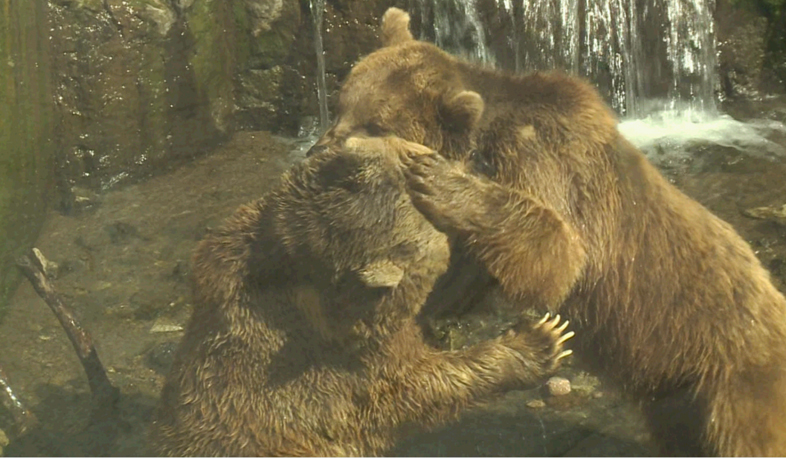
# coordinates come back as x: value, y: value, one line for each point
x: 672, y: 302
x: 303, y: 339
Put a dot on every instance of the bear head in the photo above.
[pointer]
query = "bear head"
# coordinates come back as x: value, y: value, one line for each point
x: 409, y: 89
x: 345, y: 216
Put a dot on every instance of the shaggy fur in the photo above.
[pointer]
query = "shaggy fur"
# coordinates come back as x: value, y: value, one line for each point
x: 303, y: 340
x: 563, y: 212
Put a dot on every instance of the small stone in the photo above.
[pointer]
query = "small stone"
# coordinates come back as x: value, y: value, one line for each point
x: 158, y: 327
x: 558, y: 386
x: 163, y: 325
x: 536, y: 404
x: 163, y: 17
x: 161, y: 356
x: 773, y: 213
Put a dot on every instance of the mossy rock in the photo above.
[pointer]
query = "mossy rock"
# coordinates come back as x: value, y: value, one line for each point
x: 269, y: 26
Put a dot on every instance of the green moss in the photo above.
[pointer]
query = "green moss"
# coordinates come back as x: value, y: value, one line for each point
x: 242, y: 33
x: 269, y: 47
x: 26, y: 115
x: 213, y: 59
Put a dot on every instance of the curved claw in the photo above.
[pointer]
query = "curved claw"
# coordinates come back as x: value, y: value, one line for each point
x: 551, y: 324
x: 565, y: 338
x: 564, y: 354
x: 543, y: 320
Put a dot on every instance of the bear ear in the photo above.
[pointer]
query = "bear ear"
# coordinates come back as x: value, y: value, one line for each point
x: 381, y: 274
x: 395, y: 27
x: 463, y: 110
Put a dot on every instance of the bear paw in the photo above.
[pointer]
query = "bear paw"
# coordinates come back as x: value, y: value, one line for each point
x: 542, y: 343
x: 451, y: 199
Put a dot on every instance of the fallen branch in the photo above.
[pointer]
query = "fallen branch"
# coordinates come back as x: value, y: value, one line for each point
x: 105, y: 395
x: 24, y: 419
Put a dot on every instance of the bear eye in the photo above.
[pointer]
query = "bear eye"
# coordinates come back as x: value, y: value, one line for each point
x: 482, y: 163
x: 374, y: 130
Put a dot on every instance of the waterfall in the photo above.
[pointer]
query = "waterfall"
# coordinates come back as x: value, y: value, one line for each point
x: 317, y: 12
x: 603, y: 40
x: 691, y: 50
x: 653, y: 60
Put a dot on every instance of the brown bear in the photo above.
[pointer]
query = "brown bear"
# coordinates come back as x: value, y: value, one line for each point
x: 304, y: 339
x: 562, y: 212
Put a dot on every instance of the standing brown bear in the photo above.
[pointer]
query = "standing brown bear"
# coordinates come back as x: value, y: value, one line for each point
x: 303, y: 340
x: 565, y: 213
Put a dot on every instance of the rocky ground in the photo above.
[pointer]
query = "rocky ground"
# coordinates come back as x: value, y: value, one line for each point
x: 123, y: 259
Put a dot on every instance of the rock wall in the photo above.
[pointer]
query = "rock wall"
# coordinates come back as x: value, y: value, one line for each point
x: 26, y: 121
x: 751, y: 50
x: 134, y: 91
x: 144, y: 84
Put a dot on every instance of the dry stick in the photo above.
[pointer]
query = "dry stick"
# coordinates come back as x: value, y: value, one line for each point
x: 104, y: 393
x: 23, y: 418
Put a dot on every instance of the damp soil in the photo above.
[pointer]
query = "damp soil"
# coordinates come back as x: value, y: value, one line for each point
x: 123, y: 264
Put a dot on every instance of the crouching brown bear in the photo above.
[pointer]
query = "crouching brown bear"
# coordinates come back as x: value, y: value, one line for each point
x: 303, y: 340
x: 561, y: 211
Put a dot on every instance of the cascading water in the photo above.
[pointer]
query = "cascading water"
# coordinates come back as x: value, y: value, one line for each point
x: 458, y: 28
x: 317, y: 12
x: 654, y: 60
x: 603, y: 40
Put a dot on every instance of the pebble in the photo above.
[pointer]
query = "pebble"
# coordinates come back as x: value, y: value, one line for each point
x: 3, y: 442
x: 775, y: 213
x: 558, y: 386
x: 165, y: 325
x: 536, y: 404
x: 161, y: 356
x: 161, y: 327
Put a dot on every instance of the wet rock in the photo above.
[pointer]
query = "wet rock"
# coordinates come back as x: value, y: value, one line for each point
x: 163, y: 325
x: 263, y: 13
x: 3, y: 441
x: 776, y: 213
x: 536, y: 404
x: 160, y: 14
x: 741, y: 49
x: 751, y: 48
x: 160, y: 357
x: 260, y: 97
x: 124, y: 92
x: 558, y: 386
x: 183, y: 5
x: 584, y: 384
x: 307, y: 126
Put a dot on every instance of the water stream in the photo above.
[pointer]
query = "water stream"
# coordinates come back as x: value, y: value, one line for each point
x: 317, y: 12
